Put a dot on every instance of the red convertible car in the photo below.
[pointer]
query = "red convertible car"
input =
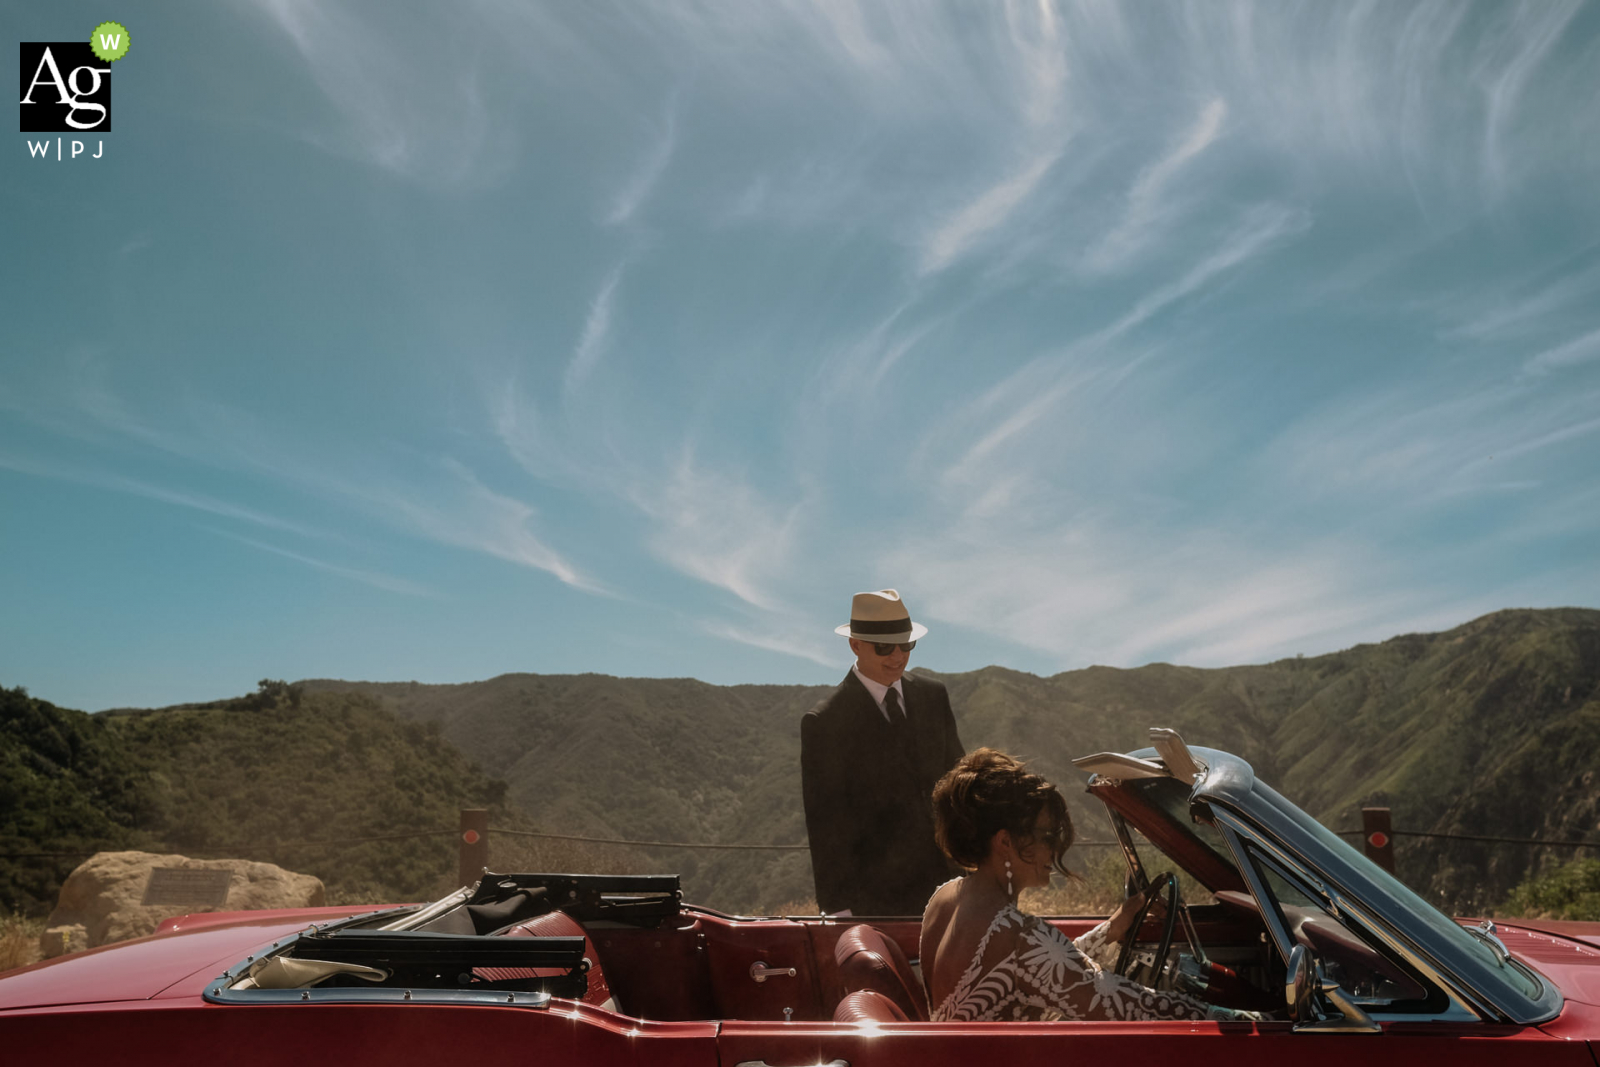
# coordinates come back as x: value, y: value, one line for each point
x: 583, y: 970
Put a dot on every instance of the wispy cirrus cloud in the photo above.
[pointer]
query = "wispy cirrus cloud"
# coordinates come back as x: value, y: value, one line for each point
x: 1532, y: 31
x: 1037, y: 40
x: 596, y: 333
x: 1098, y: 590
x: 376, y: 579
x: 981, y: 216
x: 794, y: 639
x: 1453, y: 97
x: 138, y: 487
x: 1409, y: 447
x: 1584, y: 349
x: 1036, y: 49
x: 850, y: 377
x: 639, y: 185
x: 441, y: 501
x: 1258, y: 231
x: 436, y: 127
x: 715, y: 526
x: 1028, y: 396
x: 461, y: 511
x: 1146, y: 213
x: 1516, y: 309
x: 1542, y: 439
x: 1090, y: 592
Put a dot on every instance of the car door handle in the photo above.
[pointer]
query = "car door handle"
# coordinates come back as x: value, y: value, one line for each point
x: 761, y: 972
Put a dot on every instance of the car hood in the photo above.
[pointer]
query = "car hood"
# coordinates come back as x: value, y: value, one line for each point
x: 149, y: 966
x: 1567, y: 953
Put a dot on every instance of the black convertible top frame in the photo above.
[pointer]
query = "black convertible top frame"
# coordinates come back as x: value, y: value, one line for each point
x: 635, y: 899
x: 442, y: 961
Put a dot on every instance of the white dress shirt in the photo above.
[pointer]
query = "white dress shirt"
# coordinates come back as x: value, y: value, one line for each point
x: 877, y: 691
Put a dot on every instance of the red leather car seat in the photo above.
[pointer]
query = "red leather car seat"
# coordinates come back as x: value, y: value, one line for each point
x: 868, y: 1006
x: 556, y: 924
x: 869, y: 960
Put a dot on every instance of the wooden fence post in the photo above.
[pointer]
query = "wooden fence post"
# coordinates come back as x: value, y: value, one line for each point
x: 1377, y: 839
x: 474, y: 844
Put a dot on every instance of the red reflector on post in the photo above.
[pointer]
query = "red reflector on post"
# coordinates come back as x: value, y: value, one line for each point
x: 1378, y: 837
x: 474, y: 847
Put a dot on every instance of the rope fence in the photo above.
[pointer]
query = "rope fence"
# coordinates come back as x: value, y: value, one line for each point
x: 652, y: 844
x: 1540, y: 841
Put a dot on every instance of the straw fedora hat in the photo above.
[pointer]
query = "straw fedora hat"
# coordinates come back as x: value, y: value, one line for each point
x: 880, y: 616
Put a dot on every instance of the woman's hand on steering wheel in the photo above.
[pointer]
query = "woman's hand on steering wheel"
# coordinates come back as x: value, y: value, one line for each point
x: 1133, y: 911
x: 1149, y: 899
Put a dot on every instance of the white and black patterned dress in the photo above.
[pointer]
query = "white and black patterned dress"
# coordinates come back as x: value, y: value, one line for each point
x: 1049, y: 977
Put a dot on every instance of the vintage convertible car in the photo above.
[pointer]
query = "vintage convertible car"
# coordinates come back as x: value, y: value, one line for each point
x: 582, y: 970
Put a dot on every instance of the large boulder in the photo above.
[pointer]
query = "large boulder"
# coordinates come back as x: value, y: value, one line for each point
x: 103, y: 897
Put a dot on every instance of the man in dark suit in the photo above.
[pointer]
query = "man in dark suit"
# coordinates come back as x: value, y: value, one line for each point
x: 869, y: 757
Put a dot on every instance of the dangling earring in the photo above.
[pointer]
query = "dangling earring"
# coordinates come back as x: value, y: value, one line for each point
x: 1010, y: 893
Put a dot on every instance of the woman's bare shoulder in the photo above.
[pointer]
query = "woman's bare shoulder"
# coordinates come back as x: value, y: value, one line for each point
x: 945, y: 895
x: 940, y: 906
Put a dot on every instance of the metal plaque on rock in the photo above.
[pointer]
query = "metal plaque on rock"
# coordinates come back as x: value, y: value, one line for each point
x: 187, y: 886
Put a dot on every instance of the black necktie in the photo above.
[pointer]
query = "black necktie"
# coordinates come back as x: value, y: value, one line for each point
x: 891, y: 704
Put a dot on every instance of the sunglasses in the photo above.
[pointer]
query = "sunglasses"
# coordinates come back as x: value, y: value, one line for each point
x: 888, y: 649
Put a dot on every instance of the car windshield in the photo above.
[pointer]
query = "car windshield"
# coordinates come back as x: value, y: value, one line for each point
x: 1389, y: 896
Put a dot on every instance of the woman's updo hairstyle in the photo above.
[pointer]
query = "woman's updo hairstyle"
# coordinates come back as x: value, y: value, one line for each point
x: 987, y: 792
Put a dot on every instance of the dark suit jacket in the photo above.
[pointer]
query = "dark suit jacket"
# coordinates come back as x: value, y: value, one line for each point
x: 869, y: 813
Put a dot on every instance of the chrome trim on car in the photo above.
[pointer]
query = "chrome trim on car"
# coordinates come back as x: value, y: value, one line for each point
x: 1119, y: 825
x: 1297, y: 985
x: 415, y: 919
x: 347, y: 995
x: 222, y: 991
x: 1177, y: 755
x: 760, y: 972
x: 1485, y: 932
x: 1351, y: 1018
x: 1232, y: 832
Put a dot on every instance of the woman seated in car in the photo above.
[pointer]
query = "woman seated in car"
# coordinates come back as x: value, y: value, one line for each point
x: 985, y: 960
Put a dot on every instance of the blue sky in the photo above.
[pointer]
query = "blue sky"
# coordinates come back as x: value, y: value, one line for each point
x: 433, y: 342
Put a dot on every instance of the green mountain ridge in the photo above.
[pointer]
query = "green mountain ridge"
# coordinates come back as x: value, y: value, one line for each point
x: 1486, y: 729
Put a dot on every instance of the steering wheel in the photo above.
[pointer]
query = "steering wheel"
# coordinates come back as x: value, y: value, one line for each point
x: 1169, y: 882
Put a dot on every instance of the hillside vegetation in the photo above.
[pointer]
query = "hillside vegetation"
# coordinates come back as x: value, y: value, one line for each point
x: 65, y: 785
x: 255, y: 777
x: 1571, y: 891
